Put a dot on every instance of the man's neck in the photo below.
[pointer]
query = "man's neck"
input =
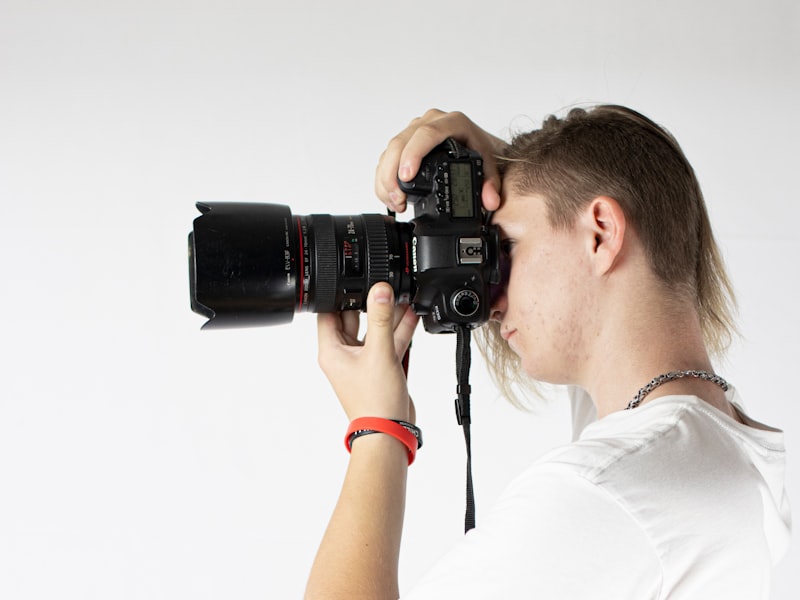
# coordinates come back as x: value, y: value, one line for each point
x: 640, y: 340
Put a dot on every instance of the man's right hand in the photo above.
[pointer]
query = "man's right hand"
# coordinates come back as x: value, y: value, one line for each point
x: 405, y: 152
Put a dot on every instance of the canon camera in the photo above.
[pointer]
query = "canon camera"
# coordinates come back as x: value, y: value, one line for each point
x: 257, y: 264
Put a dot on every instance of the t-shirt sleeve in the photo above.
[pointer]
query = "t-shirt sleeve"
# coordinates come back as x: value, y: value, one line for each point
x: 552, y: 534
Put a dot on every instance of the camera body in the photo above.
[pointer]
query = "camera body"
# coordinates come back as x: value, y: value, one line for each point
x: 257, y: 264
x: 455, y: 252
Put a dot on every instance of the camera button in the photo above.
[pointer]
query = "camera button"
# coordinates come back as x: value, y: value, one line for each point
x: 466, y: 303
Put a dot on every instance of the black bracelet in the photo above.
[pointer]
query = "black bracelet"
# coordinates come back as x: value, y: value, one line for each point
x: 412, y: 428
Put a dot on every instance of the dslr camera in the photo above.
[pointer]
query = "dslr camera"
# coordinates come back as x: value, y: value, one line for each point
x: 256, y: 264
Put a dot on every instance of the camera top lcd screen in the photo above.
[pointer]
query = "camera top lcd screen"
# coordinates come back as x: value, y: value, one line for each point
x: 461, y: 190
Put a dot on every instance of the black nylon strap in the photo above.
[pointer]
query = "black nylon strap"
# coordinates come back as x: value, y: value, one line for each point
x: 463, y: 360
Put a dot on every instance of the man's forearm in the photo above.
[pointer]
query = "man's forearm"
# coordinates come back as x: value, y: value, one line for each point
x: 359, y: 553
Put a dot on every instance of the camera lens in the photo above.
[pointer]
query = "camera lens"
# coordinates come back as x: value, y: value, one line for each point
x: 256, y: 264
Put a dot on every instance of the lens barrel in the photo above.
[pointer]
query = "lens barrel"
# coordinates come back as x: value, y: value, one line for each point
x: 256, y: 264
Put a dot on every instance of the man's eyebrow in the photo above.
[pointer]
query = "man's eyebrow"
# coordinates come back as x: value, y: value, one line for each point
x: 506, y: 227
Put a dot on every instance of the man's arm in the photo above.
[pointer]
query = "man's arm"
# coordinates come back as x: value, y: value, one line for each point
x: 359, y: 553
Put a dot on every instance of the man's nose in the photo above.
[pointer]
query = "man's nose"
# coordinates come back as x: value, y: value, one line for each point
x: 499, y: 304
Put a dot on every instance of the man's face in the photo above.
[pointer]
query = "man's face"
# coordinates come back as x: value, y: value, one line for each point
x: 546, y: 308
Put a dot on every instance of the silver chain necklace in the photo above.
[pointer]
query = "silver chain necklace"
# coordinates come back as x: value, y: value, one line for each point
x: 672, y: 376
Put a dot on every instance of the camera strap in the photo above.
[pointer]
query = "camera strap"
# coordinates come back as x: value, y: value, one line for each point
x: 463, y: 360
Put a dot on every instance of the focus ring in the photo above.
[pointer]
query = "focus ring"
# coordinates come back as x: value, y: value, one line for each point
x: 377, y: 250
x: 324, y: 264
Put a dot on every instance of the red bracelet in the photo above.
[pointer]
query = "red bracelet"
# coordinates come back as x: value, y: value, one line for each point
x: 364, y: 425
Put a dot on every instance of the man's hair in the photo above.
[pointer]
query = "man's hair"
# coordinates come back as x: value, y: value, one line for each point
x: 617, y: 152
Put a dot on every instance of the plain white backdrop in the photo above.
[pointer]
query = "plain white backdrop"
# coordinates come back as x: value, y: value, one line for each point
x: 143, y: 459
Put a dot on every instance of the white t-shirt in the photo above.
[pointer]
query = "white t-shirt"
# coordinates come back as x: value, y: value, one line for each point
x: 671, y: 500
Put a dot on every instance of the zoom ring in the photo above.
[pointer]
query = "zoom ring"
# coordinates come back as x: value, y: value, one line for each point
x: 377, y: 250
x: 324, y: 264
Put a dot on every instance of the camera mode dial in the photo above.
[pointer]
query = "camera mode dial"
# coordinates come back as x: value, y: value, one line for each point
x: 465, y: 302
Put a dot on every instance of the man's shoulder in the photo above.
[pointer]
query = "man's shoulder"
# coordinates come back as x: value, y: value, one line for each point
x: 621, y: 440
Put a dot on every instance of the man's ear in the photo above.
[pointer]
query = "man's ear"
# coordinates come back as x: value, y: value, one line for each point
x: 605, y: 221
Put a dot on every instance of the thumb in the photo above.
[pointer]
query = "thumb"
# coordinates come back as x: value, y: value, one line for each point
x: 380, y: 315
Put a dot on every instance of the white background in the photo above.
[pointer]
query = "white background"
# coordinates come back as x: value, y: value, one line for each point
x: 141, y: 458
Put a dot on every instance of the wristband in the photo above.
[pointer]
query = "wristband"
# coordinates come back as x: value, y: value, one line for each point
x: 412, y: 428
x: 406, y: 433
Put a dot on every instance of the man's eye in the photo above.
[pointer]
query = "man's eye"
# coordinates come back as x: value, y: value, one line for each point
x: 507, y: 247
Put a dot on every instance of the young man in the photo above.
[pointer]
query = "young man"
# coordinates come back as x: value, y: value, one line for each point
x: 616, y: 287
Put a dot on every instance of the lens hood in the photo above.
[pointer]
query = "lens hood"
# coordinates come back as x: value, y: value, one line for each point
x: 239, y: 267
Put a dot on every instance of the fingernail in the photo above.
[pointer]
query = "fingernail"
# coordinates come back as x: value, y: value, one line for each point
x: 382, y: 295
x: 405, y: 172
x: 398, y: 203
